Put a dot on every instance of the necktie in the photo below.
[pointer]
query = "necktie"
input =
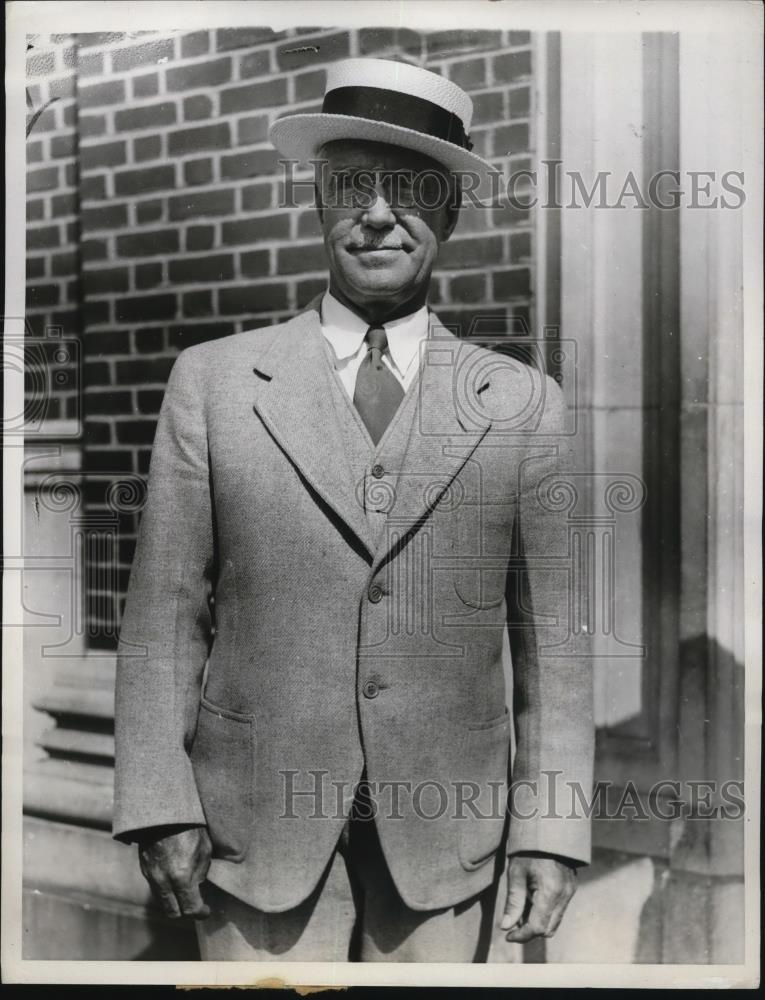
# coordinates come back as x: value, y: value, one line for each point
x: 378, y: 392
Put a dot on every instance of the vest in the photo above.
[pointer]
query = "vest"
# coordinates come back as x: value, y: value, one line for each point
x: 374, y: 469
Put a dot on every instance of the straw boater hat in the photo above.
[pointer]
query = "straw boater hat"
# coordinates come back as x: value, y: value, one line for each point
x: 386, y: 101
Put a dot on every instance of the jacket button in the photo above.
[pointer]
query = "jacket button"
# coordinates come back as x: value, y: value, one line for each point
x: 371, y: 690
x: 375, y: 593
x: 377, y: 471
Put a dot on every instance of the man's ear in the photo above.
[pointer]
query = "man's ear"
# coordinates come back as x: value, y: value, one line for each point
x: 319, y: 203
x: 453, y: 207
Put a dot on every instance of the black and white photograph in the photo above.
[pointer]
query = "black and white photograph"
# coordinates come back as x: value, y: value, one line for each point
x: 382, y: 493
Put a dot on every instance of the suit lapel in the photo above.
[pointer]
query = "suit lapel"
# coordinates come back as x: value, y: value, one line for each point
x: 449, y: 423
x: 294, y: 402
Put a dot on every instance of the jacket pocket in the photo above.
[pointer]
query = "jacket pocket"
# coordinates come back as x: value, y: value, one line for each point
x: 480, y: 587
x: 222, y: 758
x: 486, y: 760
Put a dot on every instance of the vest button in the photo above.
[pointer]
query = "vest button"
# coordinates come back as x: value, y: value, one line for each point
x: 371, y: 690
x: 377, y: 471
x: 375, y: 593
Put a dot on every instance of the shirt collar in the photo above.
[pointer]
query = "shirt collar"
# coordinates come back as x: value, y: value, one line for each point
x: 346, y: 331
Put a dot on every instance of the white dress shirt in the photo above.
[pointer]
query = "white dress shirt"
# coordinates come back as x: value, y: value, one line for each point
x: 345, y: 332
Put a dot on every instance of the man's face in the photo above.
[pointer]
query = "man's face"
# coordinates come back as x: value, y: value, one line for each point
x: 381, y: 237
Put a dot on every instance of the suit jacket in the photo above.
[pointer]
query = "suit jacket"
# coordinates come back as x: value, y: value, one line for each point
x: 272, y: 645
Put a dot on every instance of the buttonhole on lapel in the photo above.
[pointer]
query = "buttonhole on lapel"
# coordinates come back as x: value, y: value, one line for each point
x: 260, y: 374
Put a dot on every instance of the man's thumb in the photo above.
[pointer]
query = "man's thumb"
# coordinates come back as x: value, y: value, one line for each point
x: 516, y: 897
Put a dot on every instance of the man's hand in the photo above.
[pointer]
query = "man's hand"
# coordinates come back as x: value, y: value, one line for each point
x: 539, y: 888
x: 174, y: 862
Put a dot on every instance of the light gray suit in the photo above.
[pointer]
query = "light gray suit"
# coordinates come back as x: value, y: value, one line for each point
x: 335, y: 641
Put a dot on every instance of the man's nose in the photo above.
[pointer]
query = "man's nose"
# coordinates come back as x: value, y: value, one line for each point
x: 379, y: 215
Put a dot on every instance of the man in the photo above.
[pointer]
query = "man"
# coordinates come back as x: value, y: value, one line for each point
x: 368, y: 500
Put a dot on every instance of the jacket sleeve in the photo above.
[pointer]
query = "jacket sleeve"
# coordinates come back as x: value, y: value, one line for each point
x: 167, y: 625
x: 552, y: 689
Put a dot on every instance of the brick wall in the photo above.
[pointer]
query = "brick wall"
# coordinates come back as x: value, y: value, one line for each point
x: 181, y: 237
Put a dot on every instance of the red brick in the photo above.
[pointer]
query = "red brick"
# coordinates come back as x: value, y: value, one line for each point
x: 64, y: 204
x: 256, y: 197
x: 43, y: 179
x: 142, y: 55
x: 202, y: 269
x: 105, y: 280
x: 138, y: 308
x: 149, y: 339
x: 148, y: 244
x: 294, y: 260
x: 253, y: 299
x: 149, y: 116
x: 198, y: 333
x: 143, y: 371
x: 91, y: 125
x: 195, y: 204
x: 136, y: 431
x: 147, y: 147
x: 43, y: 237
x: 512, y: 284
x: 254, y: 63
x: 254, y: 96
x: 149, y: 211
x: 149, y: 400
x: 200, y: 238
x: 41, y: 64
x: 63, y: 88
x: 444, y: 43
x: 194, y: 140
x: 93, y: 249
x: 267, y: 227
x: 520, y: 102
x: 511, y: 139
x: 198, y: 171
x: 35, y: 210
x: 62, y: 146
x: 91, y: 64
x: 195, y: 44
x: 96, y: 312
x: 197, y: 107
x: 106, y: 154
x: 468, y: 288
x: 146, y: 85
x: 242, y: 38
x: 71, y: 175
x: 108, y: 342
x: 520, y: 246
x: 144, y: 180
x: 487, y: 107
x: 97, y: 432
x: 36, y: 267
x: 511, y: 66
x: 43, y: 295
x: 471, y: 252
x: 197, y: 304
x: 469, y: 74
x: 309, y: 224
x: 310, y: 86
x: 96, y: 95
x: 149, y: 275
x: 308, y: 290
x: 93, y: 187
x: 520, y: 38
x: 209, y: 73
x: 255, y: 264
x: 253, y: 129
x: 302, y: 52
x: 104, y: 217
x: 34, y: 152
x: 65, y: 263
x: 254, y: 163
x: 109, y: 403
